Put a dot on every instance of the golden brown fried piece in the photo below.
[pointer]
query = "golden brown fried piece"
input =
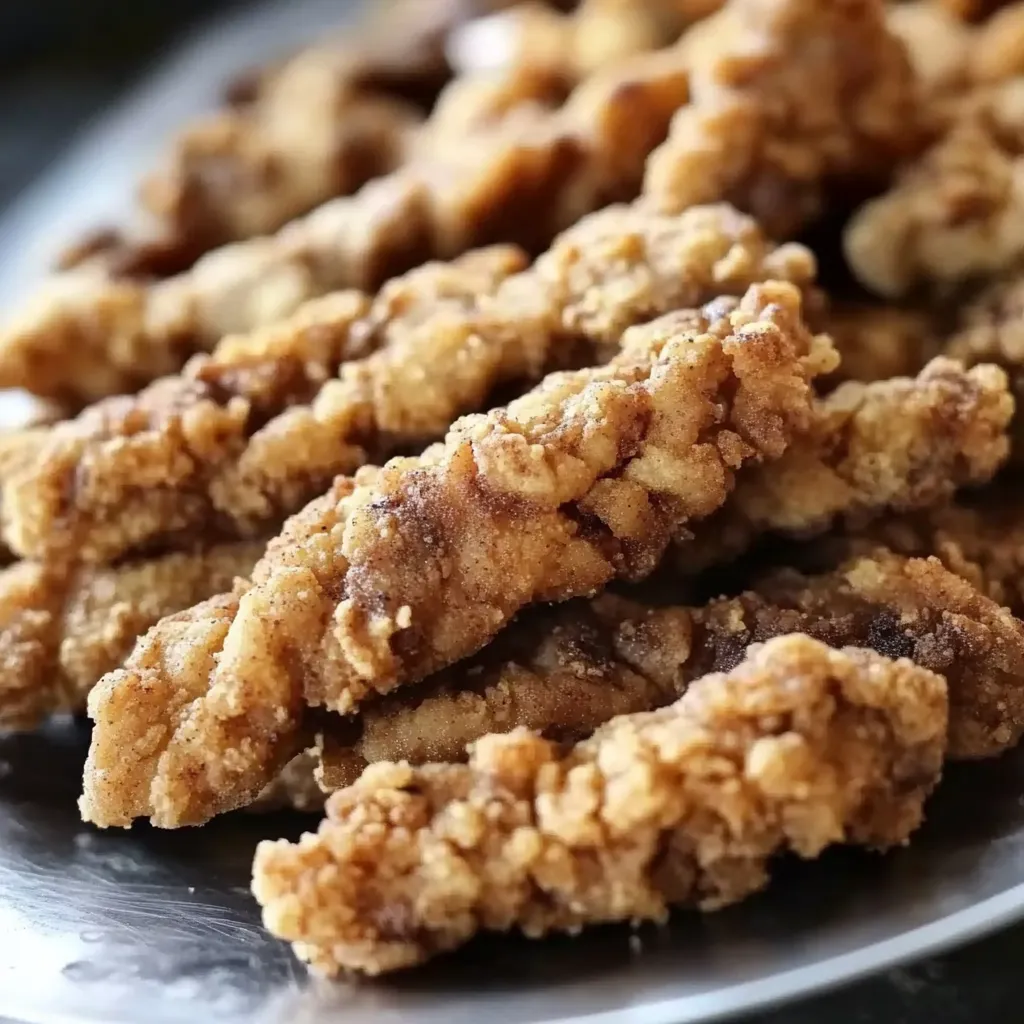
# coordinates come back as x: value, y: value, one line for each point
x: 403, y: 570
x: 805, y: 96
x: 239, y: 441
x: 954, y: 214
x: 797, y: 748
x: 524, y: 179
x: 62, y: 630
x: 997, y: 52
x: 876, y: 342
x: 894, y: 445
x: 564, y: 672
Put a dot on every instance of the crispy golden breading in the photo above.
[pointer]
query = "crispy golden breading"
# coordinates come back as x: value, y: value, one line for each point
x: 564, y: 672
x: 403, y: 570
x: 876, y: 342
x: 572, y: 44
x: 62, y: 630
x: 797, y: 748
x: 940, y: 46
x: 997, y: 50
x: 318, y: 124
x: 893, y: 445
x: 954, y: 214
x: 805, y: 95
x: 524, y: 179
x: 980, y: 538
x: 990, y: 329
x: 239, y: 441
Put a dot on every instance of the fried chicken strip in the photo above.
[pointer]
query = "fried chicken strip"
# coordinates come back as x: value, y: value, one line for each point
x: 61, y: 630
x: 522, y: 180
x: 807, y: 96
x: 955, y: 214
x: 890, y: 446
x: 400, y: 571
x: 565, y: 671
x: 797, y: 748
x: 251, y: 433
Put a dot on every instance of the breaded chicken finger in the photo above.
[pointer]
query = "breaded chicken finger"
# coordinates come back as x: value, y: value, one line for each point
x: 797, y: 748
x: 403, y: 570
x: 248, y: 435
x: 565, y: 671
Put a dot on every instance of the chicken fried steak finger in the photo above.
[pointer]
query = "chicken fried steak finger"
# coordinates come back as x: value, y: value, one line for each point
x: 566, y: 671
x: 797, y: 748
x: 251, y: 433
x: 521, y: 180
x: 403, y: 570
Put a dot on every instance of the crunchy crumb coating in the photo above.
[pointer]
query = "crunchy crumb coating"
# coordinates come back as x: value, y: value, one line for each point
x: 889, y: 446
x: 138, y: 468
x: 797, y: 748
x: 980, y: 539
x: 573, y: 43
x: 990, y: 329
x: 954, y: 214
x: 565, y: 672
x: 62, y: 630
x: 803, y: 96
x: 997, y: 51
x: 251, y: 433
x: 939, y: 45
x: 876, y: 342
x: 403, y: 570
x: 522, y: 180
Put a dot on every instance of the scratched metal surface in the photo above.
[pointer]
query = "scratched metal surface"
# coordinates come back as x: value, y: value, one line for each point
x: 111, y: 928
x: 142, y: 925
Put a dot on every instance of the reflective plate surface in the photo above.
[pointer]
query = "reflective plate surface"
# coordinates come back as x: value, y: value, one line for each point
x: 112, y: 928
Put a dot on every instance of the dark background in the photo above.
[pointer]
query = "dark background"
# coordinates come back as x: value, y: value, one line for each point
x: 61, y: 62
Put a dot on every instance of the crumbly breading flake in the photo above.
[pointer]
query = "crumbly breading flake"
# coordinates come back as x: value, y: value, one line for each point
x: 403, y: 570
x: 895, y: 445
x: 564, y: 672
x: 805, y: 96
x: 956, y: 213
x: 989, y: 329
x: 249, y: 434
x: 61, y: 630
x: 295, y: 789
x: 939, y: 45
x: 522, y: 180
x: 797, y: 748
x: 980, y: 538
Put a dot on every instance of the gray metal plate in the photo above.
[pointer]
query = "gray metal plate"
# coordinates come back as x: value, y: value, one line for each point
x: 142, y: 925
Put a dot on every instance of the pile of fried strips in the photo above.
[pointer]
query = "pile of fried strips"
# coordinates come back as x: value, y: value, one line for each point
x: 580, y: 439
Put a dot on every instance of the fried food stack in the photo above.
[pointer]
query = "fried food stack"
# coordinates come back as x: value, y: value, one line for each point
x: 618, y: 397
